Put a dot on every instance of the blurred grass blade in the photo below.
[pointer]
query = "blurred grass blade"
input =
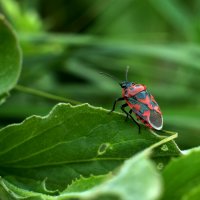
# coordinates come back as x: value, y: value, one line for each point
x: 177, y: 16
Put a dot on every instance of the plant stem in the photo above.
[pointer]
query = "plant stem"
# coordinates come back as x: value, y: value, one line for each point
x: 163, y: 141
x: 47, y: 95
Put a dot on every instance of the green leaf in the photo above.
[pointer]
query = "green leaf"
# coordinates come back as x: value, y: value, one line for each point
x: 25, y: 20
x: 82, y: 184
x: 9, y: 191
x: 5, y: 193
x: 10, y: 58
x: 70, y: 142
x: 182, y: 177
x: 193, y: 194
x: 31, y: 185
x: 136, y: 179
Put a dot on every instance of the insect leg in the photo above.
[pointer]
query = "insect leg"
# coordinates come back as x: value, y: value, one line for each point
x: 130, y: 111
x: 123, y: 109
x: 119, y: 99
x: 129, y: 114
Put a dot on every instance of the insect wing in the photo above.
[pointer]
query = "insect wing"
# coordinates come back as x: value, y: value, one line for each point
x: 145, y: 106
x: 156, y: 120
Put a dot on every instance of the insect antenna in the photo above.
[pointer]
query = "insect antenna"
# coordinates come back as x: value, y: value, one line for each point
x: 114, y: 78
x: 127, y: 68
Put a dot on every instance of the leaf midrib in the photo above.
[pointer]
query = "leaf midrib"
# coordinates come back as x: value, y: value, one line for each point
x: 74, y: 161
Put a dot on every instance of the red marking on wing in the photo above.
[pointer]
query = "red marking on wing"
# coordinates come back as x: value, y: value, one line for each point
x: 146, y: 101
x: 133, y: 90
x: 145, y: 122
x: 146, y: 114
x: 133, y: 106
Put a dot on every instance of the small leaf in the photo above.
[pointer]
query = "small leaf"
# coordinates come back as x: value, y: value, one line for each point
x: 136, y: 179
x: 182, y: 177
x: 82, y: 184
x: 9, y: 191
x: 31, y: 185
x: 10, y: 58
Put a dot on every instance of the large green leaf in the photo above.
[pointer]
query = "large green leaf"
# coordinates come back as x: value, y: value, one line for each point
x: 10, y: 58
x: 69, y: 142
x: 182, y: 177
x: 127, y: 183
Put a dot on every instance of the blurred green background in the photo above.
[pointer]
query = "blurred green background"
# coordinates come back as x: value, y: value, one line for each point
x: 67, y: 43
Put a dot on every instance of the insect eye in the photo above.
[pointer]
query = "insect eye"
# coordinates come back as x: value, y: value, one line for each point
x: 124, y: 85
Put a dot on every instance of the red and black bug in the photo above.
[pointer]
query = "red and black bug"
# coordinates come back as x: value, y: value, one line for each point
x: 140, y: 102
